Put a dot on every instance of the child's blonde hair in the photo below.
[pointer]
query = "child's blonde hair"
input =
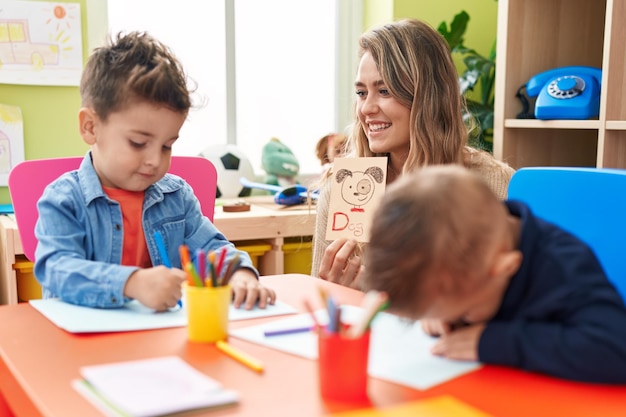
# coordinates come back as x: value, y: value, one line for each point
x: 329, y: 146
x: 437, y: 220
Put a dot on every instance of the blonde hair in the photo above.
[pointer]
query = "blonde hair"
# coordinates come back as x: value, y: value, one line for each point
x: 415, y: 63
x: 437, y: 220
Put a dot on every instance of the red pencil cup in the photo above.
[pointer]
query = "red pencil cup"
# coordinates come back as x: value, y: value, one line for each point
x: 343, y: 366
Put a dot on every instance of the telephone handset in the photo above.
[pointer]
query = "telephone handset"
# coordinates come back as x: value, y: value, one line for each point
x: 566, y: 93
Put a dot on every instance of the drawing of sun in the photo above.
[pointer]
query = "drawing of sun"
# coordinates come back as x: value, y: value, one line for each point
x: 60, y: 17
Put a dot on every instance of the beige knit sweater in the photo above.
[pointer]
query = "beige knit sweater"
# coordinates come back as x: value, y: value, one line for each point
x: 496, y: 174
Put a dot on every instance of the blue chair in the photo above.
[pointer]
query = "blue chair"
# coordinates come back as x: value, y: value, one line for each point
x: 588, y: 202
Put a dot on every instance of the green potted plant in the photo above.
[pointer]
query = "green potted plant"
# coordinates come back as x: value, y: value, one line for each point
x: 479, y: 71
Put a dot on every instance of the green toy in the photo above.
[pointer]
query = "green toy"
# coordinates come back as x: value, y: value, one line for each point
x: 279, y: 163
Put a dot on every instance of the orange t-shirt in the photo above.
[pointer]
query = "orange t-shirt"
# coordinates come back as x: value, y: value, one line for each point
x: 135, y: 251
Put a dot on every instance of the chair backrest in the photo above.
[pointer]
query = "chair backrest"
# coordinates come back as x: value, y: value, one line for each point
x: 201, y: 175
x: 588, y: 202
x: 28, y: 179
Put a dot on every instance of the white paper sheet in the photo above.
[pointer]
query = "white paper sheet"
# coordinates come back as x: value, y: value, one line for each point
x: 134, y: 316
x: 399, y: 350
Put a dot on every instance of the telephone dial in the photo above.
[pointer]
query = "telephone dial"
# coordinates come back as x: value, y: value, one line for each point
x: 563, y: 93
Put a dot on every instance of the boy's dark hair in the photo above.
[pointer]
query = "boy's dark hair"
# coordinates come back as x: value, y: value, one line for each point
x: 131, y: 67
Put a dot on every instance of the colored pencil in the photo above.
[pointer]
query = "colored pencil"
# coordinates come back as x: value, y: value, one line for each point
x: 212, y: 268
x: 220, y: 262
x: 294, y: 330
x: 184, y: 255
x: 191, y: 270
x: 165, y: 258
x: 240, y: 356
x: 230, y: 270
x: 372, y: 303
x: 201, y: 264
x: 309, y: 308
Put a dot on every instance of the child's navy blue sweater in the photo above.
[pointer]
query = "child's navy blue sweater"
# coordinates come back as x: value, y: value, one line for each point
x: 560, y: 315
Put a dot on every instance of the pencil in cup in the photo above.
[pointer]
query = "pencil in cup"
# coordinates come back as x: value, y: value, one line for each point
x: 207, y: 312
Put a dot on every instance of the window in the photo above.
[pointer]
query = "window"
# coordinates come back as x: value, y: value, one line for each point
x: 285, y: 69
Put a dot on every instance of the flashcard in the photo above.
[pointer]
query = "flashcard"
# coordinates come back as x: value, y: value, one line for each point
x: 357, y: 186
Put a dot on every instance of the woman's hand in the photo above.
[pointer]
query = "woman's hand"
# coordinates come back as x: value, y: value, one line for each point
x: 341, y: 264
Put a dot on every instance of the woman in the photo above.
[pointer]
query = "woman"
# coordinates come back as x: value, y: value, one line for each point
x: 408, y: 108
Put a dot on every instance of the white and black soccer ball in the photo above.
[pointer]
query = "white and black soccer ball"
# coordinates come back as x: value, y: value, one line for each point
x: 231, y: 164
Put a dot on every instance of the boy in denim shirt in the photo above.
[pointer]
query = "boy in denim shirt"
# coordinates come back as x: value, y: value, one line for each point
x: 96, y: 225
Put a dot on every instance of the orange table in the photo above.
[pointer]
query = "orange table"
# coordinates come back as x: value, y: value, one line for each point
x: 38, y: 361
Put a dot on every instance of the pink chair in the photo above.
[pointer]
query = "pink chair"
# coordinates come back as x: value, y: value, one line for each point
x: 28, y: 179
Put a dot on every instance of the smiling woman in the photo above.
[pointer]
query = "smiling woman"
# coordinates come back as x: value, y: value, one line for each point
x: 269, y: 93
x: 409, y: 109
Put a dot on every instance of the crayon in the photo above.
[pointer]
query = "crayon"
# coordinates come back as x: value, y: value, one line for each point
x: 240, y: 356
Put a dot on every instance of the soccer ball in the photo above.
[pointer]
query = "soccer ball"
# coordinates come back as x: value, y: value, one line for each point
x: 231, y: 164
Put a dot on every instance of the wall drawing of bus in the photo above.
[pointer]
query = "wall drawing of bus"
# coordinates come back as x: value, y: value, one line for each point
x: 16, y: 47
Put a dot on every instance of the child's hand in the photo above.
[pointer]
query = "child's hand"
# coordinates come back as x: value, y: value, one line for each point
x: 461, y: 344
x: 434, y: 327
x: 158, y: 287
x: 247, y: 288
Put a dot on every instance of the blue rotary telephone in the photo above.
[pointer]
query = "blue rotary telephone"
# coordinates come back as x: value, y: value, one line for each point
x: 565, y: 93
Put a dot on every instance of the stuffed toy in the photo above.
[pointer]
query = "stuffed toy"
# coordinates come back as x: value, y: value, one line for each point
x: 279, y: 163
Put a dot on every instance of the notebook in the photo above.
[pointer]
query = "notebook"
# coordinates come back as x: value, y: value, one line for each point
x: 150, y: 388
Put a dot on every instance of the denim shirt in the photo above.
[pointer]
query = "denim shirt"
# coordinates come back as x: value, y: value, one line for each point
x: 80, y: 235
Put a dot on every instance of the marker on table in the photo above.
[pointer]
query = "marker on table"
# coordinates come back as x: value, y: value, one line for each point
x: 281, y: 332
x: 158, y: 238
x: 240, y: 356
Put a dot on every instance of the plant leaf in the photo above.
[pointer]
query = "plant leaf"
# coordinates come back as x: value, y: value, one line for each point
x: 458, y: 26
x: 478, y: 70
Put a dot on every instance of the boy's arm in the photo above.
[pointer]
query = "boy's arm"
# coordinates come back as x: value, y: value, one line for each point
x: 591, y: 347
x: 560, y: 316
x: 62, y: 265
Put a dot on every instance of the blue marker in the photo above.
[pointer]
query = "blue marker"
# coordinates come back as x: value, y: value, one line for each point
x: 161, y: 248
x: 158, y: 238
